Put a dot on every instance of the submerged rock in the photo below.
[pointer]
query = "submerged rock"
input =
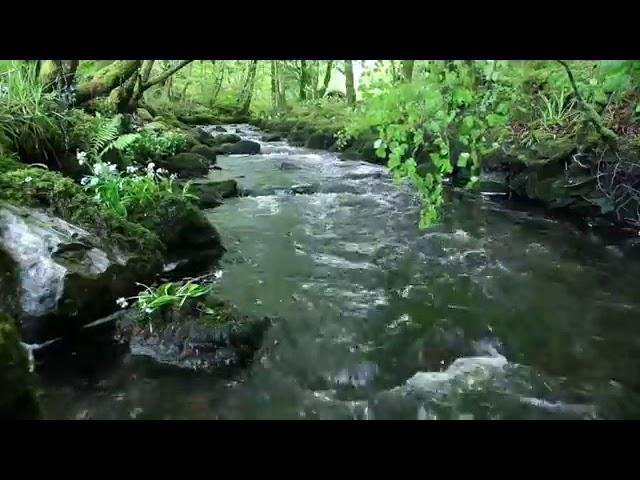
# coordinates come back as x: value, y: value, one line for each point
x: 303, y: 189
x: 219, y: 128
x: 18, y: 399
x: 59, y: 276
x: 288, y: 166
x: 186, y: 165
x: 207, y: 336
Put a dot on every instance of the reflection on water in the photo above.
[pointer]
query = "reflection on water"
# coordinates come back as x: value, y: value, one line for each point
x: 496, y: 312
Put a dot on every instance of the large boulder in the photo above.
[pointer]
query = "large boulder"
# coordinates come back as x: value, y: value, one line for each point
x: 58, y: 276
x: 185, y: 165
x: 208, y: 335
x: 18, y: 399
x: 210, y: 194
x: 207, y: 152
x: 243, y: 147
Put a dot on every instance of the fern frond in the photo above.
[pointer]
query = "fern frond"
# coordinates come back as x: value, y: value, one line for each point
x: 105, y: 133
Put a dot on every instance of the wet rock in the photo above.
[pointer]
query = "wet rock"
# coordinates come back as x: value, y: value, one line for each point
x: 60, y: 276
x: 219, y: 128
x: 303, y: 189
x: 186, y: 165
x: 210, y: 194
x: 320, y: 140
x: 288, y: 166
x: 17, y: 393
x: 272, y: 137
x: 229, y: 138
x: 201, y: 136
x: 243, y: 147
x: 206, y: 335
x: 207, y: 152
x: 185, y: 232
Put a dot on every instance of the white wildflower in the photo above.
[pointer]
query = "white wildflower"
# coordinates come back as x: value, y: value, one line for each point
x: 122, y: 302
x: 173, y: 176
x: 28, y: 179
x: 148, y: 310
x: 113, y: 168
x: 151, y: 166
x: 132, y: 169
x: 218, y: 274
x: 162, y: 171
x: 85, y: 180
x: 94, y: 181
x: 98, y: 168
x: 82, y: 157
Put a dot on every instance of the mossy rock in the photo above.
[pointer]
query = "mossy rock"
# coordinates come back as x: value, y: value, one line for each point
x: 18, y: 399
x: 144, y: 115
x: 8, y: 164
x: 157, y: 126
x: 198, y: 119
x: 243, y: 147
x: 205, y: 334
x: 207, y: 152
x: 63, y: 198
x: 184, y: 230
x: 272, y: 137
x: 6, y: 145
x: 186, y: 165
x: 210, y: 194
x: 320, y: 141
x: 225, y: 138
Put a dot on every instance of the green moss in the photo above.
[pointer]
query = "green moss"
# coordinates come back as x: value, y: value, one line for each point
x: 8, y: 164
x: 60, y: 196
x: 17, y: 387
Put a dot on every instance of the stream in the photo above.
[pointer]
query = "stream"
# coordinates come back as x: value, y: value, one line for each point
x: 500, y: 311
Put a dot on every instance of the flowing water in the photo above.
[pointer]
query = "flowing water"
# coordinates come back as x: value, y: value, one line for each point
x: 497, y: 312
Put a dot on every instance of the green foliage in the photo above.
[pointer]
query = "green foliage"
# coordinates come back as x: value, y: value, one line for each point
x: 167, y: 295
x: 121, y: 191
x: 105, y: 135
x: 27, y: 112
x: 62, y: 197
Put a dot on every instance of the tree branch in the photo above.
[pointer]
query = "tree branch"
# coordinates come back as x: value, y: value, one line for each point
x: 608, y: 135
x: 163, y: 76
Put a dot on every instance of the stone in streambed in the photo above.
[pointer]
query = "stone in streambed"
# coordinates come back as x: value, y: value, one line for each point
x: 205, y: 334
x: 186, y: 164
x: 207, y: 152
x: 243, y: 147
x: 271, y: 137
x: 210, y: 194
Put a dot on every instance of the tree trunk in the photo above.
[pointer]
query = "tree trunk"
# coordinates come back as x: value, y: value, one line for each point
x: 274, y: 85
x: 218, y: 84
x: 327, y: 79
x: 303, y: 80
x: 282, y: 97
x: 314, y: 78
x: 348, y: 74
x: 407, y: 70
x: 249, y: 85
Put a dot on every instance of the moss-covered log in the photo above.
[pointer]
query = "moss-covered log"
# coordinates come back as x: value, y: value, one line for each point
x: 107, y: 79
